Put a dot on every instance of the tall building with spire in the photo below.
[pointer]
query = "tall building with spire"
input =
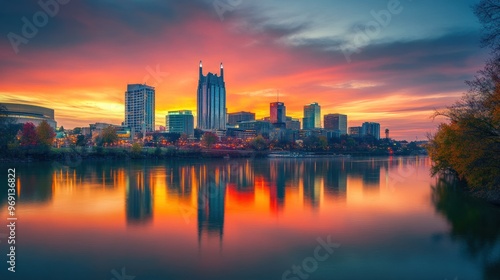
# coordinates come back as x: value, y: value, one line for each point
x: 211, y: 100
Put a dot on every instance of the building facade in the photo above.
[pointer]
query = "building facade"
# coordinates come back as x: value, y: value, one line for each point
x: 293, y: 124
x: 355, y: 131
x: 180, y: 122
x: 371, y: 128
x: 22, y: 113
x: 140, y: 108
x: 95, y: 130
x: 235, y: 118
x: 259, y: 127
x: 211, y: 100
x: 312, y: 116
x: 336, y: 123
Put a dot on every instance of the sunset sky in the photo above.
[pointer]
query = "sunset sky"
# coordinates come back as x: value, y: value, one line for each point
x: 81, y: 59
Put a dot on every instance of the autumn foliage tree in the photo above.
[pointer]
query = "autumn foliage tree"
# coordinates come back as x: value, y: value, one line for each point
x: 45, y: 134
x: 108, y: 136
x: 29, y: 136
x: 470, y: 144
x: 209, y: 139
x: 259, y: 143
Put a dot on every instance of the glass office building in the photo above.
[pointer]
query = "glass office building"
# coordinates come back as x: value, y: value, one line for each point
x: 211, y: 101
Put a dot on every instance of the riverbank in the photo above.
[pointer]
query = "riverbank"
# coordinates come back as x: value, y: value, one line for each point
x: 120, y: 153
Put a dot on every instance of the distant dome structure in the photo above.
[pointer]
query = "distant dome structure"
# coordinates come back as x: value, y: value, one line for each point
x: 23, y: 113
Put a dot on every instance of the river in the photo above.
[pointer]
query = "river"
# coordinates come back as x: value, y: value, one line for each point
x: 287, y: 218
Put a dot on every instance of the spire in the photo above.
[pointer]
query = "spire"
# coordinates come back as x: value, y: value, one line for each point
x: 201, y: 69
x: 222, y: 70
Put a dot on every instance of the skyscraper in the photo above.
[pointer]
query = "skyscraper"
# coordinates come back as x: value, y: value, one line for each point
x: 336, y: 122
x: 312, y: 116
x: 140, y: 108
x: 371, y: 128
x: 277, y: 113
x: 211, y: 100
x: 180, y: 122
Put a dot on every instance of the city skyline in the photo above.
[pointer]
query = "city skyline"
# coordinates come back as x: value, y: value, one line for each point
x: 398, y: 77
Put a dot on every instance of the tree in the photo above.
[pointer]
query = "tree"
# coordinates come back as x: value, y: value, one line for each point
x: 45, y: 134
x: 258, y: 143
x: 28, y: 135
x: 8, y: 129
x: 80, y: 140
x: 198, y: 133
x: 323, y: 143
x: 136, y: 150
x: 488, y: 12
x: 209, y: 139
x: 314, y: 142
x: 61, y: 129
x: 184, y: 138
x: 108, y: 136
x: 469, y: 145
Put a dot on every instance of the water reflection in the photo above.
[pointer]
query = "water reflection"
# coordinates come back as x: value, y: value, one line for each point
x: 35, y: 186
x: 139, y: 197
x: 336, y: 181
x: 473, y: 223
x: 211, y: 200
x: 222, y: 219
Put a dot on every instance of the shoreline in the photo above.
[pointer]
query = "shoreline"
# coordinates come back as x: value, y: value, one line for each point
x: 115, y: 153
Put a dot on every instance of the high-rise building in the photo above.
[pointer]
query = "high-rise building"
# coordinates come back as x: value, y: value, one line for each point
x: 312, y: 116
x: 371, y: 128
x: 211, y: 100
x: 235, y: 118
x: 277, y: 113
x: 180, y: 122
x: 140, y: 108
x: 336, y: 122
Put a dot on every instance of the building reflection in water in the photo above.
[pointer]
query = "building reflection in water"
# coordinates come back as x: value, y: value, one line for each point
x: 371, y: 176
x: 179, y: 181
x: 312, y: 181
x: 277, y: 182
x: 211, y: 200
x: 139, y: 196
x: 336, y: 180
x: 241, y: 184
